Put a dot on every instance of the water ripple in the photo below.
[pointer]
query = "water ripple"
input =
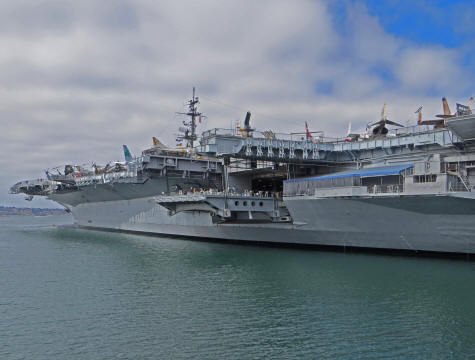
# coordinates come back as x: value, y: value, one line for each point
x: 76, y: 294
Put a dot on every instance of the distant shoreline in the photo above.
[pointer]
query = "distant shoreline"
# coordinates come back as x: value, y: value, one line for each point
x: 11, y: 210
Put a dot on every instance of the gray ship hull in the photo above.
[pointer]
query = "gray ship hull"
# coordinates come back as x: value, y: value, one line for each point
x: 426, y: 223
x: 405, y: 189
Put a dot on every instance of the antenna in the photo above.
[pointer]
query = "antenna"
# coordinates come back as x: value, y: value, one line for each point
x: 190, y: 132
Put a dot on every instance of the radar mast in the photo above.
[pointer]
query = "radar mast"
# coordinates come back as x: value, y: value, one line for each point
x: 190, y: 130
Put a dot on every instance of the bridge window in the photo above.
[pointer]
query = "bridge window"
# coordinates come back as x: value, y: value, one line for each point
x: 424, y: 178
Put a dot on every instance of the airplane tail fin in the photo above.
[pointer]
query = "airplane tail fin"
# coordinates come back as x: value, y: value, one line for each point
x: 470, y: 101
x: 127, y: 155
x: 309, y: 135
x: 158, y: 144
x: 383, y: 113
x: 446, y: 106
x: 419, y: 117
x: 247, y: 120
x: 349, y: 129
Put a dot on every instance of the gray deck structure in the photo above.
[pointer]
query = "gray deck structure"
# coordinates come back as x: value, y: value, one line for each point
x: 413, y: 140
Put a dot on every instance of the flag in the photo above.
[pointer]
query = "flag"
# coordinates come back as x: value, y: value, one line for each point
x: 199, y: 119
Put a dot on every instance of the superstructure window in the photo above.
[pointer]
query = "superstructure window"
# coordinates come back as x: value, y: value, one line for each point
x: 425, y: 178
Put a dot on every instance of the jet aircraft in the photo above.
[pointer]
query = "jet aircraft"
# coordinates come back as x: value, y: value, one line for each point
x: 440, y: 123
x: 380, y: 128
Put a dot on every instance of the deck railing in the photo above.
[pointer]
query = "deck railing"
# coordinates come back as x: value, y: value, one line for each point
x: 385, y: 189
x: 317, y: 137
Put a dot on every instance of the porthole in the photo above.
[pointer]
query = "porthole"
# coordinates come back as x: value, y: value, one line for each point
x: 236, y: 203
x: 261, y: 203
x: 244, y: 203
x: 253, y: 203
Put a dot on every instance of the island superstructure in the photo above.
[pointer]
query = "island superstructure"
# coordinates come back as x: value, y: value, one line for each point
x: 408, y: 188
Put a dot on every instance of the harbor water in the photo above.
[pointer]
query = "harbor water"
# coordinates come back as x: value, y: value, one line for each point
x: 76, y: 294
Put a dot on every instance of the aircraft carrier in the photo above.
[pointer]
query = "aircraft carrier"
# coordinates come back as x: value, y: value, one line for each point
x: 394, y: 187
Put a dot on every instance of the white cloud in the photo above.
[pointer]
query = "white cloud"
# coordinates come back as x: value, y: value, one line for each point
x: 423, y: 68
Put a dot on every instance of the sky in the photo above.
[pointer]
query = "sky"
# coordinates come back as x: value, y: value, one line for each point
x: 80, y: 78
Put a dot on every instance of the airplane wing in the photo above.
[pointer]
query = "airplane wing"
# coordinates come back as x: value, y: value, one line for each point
x: 353, y: 137
x: 376, y: 123
x: 431, y: 122
x: 393, y: 123
x: 445, y: 116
